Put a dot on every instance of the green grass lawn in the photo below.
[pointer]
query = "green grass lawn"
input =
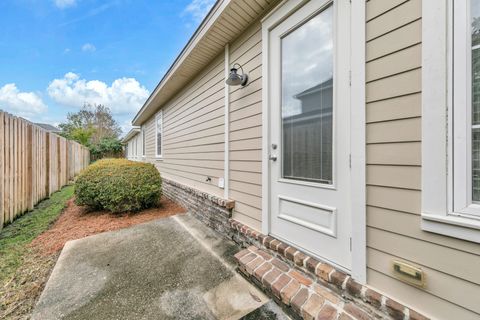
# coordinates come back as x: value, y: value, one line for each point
x: 15, y: 238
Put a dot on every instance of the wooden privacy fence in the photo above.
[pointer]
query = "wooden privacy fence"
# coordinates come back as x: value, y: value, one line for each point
x: 34, y: 163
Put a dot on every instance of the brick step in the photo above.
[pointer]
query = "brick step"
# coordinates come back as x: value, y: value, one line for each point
x: 310, y: 288
x: 294, y: 289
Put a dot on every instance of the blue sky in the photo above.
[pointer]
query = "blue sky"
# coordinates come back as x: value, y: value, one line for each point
x: 55, y: 55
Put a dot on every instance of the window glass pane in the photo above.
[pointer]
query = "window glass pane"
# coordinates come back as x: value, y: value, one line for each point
x: 307, y: 100
x: 475, y: 19
x: 159, y: 135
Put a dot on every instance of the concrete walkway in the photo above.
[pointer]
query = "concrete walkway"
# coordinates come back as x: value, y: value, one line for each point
x: 174, y: 268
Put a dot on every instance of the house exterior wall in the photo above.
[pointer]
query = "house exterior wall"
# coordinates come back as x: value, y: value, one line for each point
x: 193, y: 132
x: 393, y: 133
x: 194, y: 149
x: 246, y: 130
x: 134, y: 148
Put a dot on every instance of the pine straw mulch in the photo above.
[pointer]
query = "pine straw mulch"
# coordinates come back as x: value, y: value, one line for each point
x: 19, y: 294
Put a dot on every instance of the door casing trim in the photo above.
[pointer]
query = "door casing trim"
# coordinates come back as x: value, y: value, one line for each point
x: 357, y: 130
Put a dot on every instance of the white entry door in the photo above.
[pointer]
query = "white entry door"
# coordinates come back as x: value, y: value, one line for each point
x: 309, y: 124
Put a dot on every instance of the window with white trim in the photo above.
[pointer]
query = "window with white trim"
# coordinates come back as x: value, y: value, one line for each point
x: 451, y: 118
x: 159, y: 134
x: 143, y: 142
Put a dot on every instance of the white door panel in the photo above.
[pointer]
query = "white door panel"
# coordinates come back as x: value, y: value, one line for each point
x: 309, y: 101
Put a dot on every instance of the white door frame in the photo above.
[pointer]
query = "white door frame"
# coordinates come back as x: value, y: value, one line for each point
x: 357, y: 132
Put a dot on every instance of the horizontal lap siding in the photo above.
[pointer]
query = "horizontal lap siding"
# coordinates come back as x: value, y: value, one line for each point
x: 393, y: 113
x: 246, y: 130
x: 194, y: 132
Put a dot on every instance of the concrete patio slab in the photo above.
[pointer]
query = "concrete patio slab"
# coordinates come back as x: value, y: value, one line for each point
x: 173, y: 268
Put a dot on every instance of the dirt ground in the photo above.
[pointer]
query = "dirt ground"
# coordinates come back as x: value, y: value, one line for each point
x: 20, y: 294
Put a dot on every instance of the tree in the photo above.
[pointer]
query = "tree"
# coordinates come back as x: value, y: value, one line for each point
x: 107, y: 147
x: 90, y: 125
x: 94, y: 127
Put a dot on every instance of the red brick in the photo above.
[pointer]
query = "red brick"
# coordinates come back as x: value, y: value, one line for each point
x: 260, y: 271
x: 261, y: 237
x: 274, y: 244
x: 300, y: 277
x: 267, y: 240
x: 338, y: 278
x: 290, y: 253
x: 328, y: 312
x: 414, y: 315
x: 395, y: 309
x: 253, y: 249
x: 344, y: 316
x: 240, y: 254
x: 278, y: 285
x: 280, y: 265
x: 289, y: 291
x: 313, y: 305
x: 299, y: 299
x: 281, y: 248
x: 247, y: 258
x: 327, y: 294
x: 323, y: 270
x: 299, y: 258
x: 270, y: 277
x: 312, y: 264
x: 264, y: 255
x: 254, y: 264
x: 374, y: 298
x: 356, y: 312
x: 354, y: 288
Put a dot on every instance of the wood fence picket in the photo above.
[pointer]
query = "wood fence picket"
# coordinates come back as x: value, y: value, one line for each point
x: 34, y: 163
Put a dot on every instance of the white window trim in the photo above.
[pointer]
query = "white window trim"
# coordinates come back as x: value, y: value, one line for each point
x: 438, y: 77
x: 158, y: 115
x: 144, y: 147
x: 358, y: 152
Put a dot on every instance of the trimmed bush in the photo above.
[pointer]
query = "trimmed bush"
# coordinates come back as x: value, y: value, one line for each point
x: 119, y: 185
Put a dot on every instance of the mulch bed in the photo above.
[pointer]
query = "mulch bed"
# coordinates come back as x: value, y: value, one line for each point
x: 78, y: 222
x: 23, y: 290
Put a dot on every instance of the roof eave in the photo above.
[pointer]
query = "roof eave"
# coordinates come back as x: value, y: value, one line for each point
x: 211, y: 17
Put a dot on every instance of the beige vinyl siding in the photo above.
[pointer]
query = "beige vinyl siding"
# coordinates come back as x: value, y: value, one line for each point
x: 193, y: 132
x: 246, y: 130
x: 393, y: 113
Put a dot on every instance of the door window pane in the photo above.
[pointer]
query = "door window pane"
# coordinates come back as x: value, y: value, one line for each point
x: 307, y: 100
x: 475, y: 20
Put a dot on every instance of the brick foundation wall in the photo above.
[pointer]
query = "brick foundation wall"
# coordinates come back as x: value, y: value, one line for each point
x: 215, y: 212
x: 324, y: 274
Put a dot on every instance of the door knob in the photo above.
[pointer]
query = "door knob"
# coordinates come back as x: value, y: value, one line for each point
x: 273, y: 158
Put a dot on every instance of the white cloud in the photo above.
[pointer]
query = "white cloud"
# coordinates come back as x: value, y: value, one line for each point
x: 199, y: 9
x: 88, y: 47
x: 124, y: 95
x: 62, y: 4
x: 24, y: 104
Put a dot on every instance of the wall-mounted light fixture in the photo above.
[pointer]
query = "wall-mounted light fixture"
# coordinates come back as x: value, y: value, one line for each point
x: 235, y: 79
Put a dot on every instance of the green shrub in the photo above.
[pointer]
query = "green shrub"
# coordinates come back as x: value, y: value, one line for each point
x: 119, y: 185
